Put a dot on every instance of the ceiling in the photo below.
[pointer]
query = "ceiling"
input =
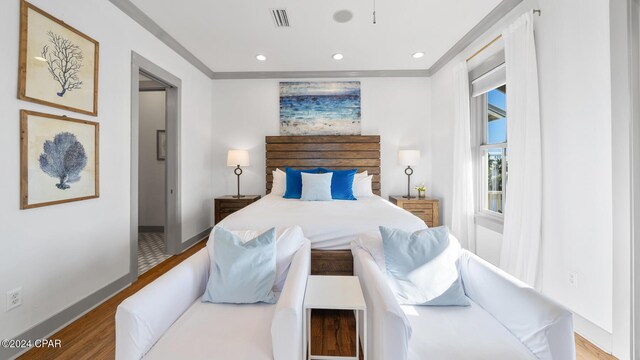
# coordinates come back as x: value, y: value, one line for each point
x: 227, y: 35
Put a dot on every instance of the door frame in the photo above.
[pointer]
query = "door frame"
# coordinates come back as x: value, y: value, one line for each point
x: 173, y: 91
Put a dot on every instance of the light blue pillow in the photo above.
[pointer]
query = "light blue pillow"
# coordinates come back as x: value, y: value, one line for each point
x: 242, y: 272
x: 316, y: 187
x: 406, y: 255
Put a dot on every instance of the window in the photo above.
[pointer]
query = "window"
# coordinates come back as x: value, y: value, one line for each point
x: 489, y: 106
x: 493, y: 150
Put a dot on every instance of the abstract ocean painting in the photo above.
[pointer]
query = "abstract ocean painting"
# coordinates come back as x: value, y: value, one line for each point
x: 320, y: 108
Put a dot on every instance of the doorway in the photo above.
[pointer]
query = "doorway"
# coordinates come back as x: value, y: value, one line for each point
x: 151, y: 172
x: 155, y: 162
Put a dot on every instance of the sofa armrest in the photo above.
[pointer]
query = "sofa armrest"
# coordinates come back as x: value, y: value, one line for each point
x: 542, y: 325
x: 388, y: 328
x: 145, y: 316
x: 286, y: 326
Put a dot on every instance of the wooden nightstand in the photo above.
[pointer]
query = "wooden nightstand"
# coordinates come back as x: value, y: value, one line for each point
x: 425, y: 208
x: 228, y: 204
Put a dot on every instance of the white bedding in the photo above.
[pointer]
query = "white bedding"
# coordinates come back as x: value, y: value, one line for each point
x: 330, y: 225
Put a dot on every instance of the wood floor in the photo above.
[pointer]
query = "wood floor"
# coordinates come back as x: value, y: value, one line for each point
x: 332, y: 332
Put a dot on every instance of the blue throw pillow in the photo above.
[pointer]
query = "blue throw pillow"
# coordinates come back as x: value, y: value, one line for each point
x: 419, y: 270
x: 294, y: 182
x: 342, y: 183
x: 316, y: 187
x: 242, y: 272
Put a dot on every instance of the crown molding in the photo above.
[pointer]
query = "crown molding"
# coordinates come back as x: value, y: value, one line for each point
x: 146, y: 22
x: 318, y: 74
x: 485, y: 24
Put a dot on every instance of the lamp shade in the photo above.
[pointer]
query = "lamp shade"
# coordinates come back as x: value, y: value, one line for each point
x: 408, y: 157
x: 238, y: 157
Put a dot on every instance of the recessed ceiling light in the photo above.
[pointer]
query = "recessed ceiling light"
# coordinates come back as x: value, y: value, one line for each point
x: 261, y: 57
x: 337, y: 56
x: 40, y: 58
x: 417, y: 55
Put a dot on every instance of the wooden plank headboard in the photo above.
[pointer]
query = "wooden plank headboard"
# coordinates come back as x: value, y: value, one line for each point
x: 335, y: 152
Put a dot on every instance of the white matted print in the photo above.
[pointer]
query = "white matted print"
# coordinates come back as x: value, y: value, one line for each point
x: 58, y: 159
x: 58, y: 64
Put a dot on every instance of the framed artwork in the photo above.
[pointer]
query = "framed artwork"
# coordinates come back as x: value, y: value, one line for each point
x: 320, y: 108
x: 161, y: 144
x: 58, y: 159
x: 58, y: 64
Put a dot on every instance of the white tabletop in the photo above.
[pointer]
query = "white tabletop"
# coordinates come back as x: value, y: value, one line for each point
x: 334, y: 292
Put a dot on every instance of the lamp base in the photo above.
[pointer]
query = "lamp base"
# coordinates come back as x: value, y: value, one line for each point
x: 409, y: 197
x: 239, y: 196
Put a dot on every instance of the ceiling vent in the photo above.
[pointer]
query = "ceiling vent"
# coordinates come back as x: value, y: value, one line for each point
x: 280, y: 17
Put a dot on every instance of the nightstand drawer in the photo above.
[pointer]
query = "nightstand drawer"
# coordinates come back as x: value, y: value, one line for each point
x: 227, y: 205
x: 421, y: 212
x: 424, y: 208
x: 417, y: 206
x: 233, y: 206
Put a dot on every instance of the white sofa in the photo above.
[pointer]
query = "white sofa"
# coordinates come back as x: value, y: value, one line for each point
x: 167, y: 320
x: 506, y: 320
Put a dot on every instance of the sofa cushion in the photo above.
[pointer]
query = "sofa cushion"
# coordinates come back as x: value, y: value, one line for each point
x: 460, y: 333
x: 218, y: 331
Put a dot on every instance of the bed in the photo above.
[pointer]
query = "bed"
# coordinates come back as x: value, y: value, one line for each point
x: 331, y: 226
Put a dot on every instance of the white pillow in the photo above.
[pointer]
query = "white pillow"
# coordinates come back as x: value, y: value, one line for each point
x: 316, y: 187
x: 279, y: 182
x: 288, y: 241
x: 362, y: 187
x: 360, y: 175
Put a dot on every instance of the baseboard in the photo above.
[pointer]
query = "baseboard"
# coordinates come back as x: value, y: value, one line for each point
x: 58, y: 321
x: 195, y: 239
x: 592, y: 332
x: 151, y: 229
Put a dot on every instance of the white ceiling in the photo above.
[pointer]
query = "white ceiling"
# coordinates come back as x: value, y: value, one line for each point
x: 226, y: 35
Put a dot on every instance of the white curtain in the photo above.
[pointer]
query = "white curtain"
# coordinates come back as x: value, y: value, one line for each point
x: 462, y: 224
x: 523, y: 207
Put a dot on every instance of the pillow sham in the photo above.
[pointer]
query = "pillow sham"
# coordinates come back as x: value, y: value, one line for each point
x: 316, y: 187
x: 294, y: 182
x: 288, y: 242
x: 342, y: 183
x: 279, y: 184
x: 362, y: 187
x: 360, y: 175
x: 421, y: 267
x: 242, y: 272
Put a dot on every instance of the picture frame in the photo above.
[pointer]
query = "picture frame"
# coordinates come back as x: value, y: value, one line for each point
x: 320, y: 108
x: 59, y: 159
x: 42, y: 79
x: 161, y: 145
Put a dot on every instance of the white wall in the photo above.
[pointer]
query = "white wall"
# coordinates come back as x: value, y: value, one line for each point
x: 60, y: 254
x: 151, y: 177
x: 572, y: 39
x: 245, y: 111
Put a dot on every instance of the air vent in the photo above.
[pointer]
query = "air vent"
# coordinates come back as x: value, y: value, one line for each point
x: 280, y: 17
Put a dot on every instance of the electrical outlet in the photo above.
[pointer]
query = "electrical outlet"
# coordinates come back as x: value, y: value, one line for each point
x: 14, y: 298
x: 573, y: 278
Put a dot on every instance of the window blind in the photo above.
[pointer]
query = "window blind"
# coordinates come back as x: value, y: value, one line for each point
x: 490, y: 80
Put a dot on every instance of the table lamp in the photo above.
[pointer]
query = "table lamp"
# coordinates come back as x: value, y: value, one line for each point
x: 408, y: 158
x: 238, y: 158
